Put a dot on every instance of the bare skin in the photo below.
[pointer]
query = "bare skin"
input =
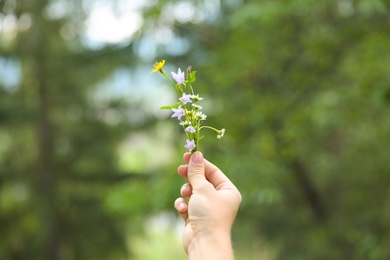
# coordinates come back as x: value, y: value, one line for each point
x: 210, y: 211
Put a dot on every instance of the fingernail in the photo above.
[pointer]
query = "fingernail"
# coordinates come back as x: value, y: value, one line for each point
x: 197, y: 158
x: 183, y: 188
x: 181, y: 206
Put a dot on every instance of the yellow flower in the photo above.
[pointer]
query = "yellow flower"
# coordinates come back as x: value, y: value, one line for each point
x: 158, y: 66
x: 190, y: 114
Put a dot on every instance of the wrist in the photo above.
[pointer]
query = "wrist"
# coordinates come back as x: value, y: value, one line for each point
x: 216, y: 245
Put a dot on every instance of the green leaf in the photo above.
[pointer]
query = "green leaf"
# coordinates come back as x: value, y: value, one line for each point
x: 170, y: 107
x: 192, y: 77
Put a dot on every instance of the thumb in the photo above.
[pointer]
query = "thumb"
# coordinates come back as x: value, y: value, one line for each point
x: 195, y: 173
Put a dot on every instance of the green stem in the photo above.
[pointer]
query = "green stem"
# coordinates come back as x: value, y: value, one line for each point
x: 209, y: 127
x: 173, y: 83
x: 197, y: 140
x: 192, y: 90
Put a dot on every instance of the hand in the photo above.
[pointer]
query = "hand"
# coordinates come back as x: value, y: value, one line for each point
x: 210, y: 212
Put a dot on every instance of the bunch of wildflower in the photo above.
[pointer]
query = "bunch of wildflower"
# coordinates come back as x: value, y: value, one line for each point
x: 187, y: 110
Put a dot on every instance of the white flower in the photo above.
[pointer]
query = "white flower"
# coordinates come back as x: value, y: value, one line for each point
x: 196, y: 98
x: 197, y: 107
x: 221, y: 133
x: 185, y: 123
x: 200, y: 116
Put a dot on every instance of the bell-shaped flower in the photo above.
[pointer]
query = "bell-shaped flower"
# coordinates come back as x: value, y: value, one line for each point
x: 190, y: 145
x: 178, y: 112
x: 185, y: 99
x: 190, y: 129
x: 179, y: 76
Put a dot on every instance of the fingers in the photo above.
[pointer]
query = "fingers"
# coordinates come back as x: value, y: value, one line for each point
x: 186, y: 190
x: 216, y: 177
x: 212, y: 173
x: 181, y: 206
x: 196, y: 170
x: 182, y: 170
x: 187, y: 157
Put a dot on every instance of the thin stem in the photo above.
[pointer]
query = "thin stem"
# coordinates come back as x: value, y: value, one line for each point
x: 209, y: 127
x: 192, y: 90
x: 173, y: 83
x: 197, y: 138
x: 165, y: 75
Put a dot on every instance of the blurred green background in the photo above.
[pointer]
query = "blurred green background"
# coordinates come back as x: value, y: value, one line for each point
x: 88, y: 161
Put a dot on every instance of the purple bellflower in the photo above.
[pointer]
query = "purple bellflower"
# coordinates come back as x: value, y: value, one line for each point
x: 187, y: 111
x: 185, y: 99
x: 190, y: 145
x: 179, y: 77
x: 190, y: 129
x: 178, y: 112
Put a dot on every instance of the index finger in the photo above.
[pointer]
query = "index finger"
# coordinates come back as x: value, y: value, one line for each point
x: 216, y: 177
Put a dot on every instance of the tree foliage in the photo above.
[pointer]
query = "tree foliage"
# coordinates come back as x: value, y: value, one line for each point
x: 302, y: 90
x: 305, y: 83
x: 59, y: 140
x: 301, y: 87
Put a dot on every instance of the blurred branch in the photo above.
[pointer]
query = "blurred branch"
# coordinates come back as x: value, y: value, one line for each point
x: 310, y: 191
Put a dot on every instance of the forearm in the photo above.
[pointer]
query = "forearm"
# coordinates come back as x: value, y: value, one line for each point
x: 214, y: 246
